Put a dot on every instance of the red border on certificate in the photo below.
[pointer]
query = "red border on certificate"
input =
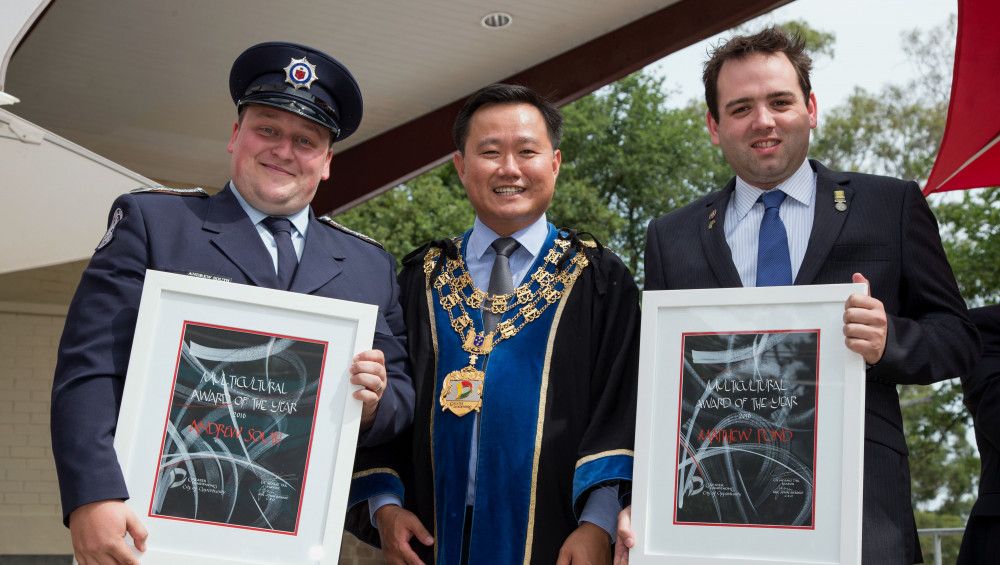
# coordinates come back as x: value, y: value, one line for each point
x: 694, y: 460
x: 312, y: 426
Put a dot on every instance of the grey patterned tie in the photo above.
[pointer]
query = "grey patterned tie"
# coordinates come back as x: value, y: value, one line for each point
x: 501, y: 279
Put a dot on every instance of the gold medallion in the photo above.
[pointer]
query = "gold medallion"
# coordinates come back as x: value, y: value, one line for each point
x: 462, y: 391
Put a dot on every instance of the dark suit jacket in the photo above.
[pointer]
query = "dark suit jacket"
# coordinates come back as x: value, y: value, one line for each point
x: 889, y: 235
x: 198, y: 235
x: 981, y: 543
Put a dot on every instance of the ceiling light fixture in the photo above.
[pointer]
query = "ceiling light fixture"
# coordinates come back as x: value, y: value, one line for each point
x: 496, y: 20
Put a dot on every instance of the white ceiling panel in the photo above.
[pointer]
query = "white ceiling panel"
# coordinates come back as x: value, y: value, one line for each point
x: 144, y: 83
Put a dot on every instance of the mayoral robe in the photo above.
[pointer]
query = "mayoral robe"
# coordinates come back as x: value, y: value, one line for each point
x: 557, y: 420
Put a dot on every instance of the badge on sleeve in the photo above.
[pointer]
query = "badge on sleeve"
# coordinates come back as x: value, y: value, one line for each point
x: 110, y: 234
x: 300, y: 73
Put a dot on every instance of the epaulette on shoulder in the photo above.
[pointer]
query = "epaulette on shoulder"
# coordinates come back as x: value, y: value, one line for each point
x: 329, y: 221
x: 199, y: 192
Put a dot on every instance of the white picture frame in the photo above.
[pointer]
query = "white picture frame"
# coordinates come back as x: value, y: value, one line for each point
x: 756, y: 350
x: 317, y: 337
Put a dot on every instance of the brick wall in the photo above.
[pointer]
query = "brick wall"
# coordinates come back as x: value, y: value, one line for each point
x: 48, y: 285
x: 30, y: 514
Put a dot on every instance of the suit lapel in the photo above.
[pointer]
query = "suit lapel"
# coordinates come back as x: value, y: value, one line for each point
x: 320, y: 260
x: 238, y: 240
x: 713, y: 239
x: 827, y: 221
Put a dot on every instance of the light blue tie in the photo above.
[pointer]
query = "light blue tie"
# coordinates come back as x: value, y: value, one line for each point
x: 774, y: 265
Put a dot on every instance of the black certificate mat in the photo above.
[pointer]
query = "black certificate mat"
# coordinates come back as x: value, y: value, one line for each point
x: 746, y: 452
x: 238, y: 433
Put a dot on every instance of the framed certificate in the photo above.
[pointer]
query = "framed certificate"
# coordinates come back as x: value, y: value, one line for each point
x: 237, y: 428
x: 750, y: 428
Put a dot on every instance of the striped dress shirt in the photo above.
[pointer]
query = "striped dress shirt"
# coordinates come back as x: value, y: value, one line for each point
x: 744, y: 213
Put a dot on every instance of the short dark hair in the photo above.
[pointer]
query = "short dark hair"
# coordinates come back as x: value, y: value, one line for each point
x: 768, y: 41
x: 506, y: 94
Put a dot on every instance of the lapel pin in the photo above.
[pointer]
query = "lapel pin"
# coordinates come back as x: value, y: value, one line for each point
x: 711, y: 218
x: 839, y: 200
x: 711, y: 224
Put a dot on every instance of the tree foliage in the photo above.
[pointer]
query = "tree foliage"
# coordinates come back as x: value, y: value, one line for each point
x: 430, y: 206
x: 971, y: 227
x: 641, y: 157
x: 819, y: 43
x: 894, y: 132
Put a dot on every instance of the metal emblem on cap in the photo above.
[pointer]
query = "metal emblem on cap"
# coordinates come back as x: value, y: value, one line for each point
x: 300, y: 73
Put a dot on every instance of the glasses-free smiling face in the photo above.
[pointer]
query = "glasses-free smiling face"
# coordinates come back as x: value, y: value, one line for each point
x: 278, y: 159
x: 764, y: 118
x: 509, y: 166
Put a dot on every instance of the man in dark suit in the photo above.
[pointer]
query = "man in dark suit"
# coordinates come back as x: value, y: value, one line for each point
x: 981, y: 543
x: 788, y: 220
x: 293, y: 103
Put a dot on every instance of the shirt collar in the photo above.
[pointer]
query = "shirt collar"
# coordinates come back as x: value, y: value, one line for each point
x: 801, y: 186
x: 299, y: 219
x: 531, y: 238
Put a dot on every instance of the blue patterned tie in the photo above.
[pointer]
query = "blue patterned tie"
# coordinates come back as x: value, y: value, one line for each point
x: 774, y: 265
x: 281, y: 229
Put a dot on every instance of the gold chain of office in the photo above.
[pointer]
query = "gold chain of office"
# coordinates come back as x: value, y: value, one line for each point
x: 542, y: 289
x: 463, y: 390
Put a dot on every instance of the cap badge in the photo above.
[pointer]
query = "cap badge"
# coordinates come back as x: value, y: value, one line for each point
x: 300, y: 73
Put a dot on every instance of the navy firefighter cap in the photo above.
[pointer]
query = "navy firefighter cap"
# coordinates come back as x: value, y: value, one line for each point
x: 300, y: 80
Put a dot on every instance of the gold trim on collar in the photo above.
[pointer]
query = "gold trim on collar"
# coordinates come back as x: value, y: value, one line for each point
x: 542, y: 289
x: 429, y: 298
x: 375, y: 471
x: 542, y: 396
x: 601, y: 455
